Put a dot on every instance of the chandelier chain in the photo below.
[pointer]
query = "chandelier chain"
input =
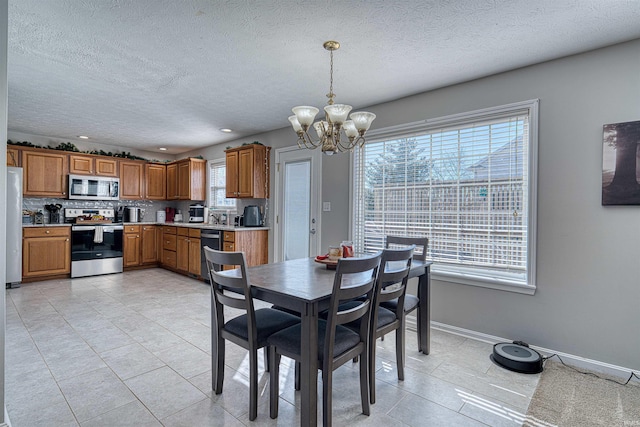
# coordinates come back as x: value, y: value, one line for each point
x: 331, y: 95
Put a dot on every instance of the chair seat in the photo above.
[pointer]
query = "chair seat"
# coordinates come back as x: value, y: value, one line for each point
x: 268, y: 321
x: 410, y: 303
x: 288, y: 340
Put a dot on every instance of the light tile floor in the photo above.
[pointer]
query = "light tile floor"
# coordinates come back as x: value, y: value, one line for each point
x: 133, y: 349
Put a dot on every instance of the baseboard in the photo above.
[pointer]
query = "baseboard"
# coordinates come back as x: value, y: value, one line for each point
x: 570, y: 359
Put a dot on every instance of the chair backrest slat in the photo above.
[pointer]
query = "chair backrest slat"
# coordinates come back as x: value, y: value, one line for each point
x: 354, y: 313
x: 422, y: 243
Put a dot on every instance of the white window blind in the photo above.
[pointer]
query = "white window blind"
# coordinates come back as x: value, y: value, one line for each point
x: 217, y: 186
x: 462, y: 181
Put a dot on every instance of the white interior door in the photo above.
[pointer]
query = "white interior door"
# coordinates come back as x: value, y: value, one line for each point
x: 298, y: 193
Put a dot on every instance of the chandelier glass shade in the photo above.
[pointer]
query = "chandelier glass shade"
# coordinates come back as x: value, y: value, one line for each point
x: 335, y: 133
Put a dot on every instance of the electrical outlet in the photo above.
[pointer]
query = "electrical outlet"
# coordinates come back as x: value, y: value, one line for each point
x: 326, y: 206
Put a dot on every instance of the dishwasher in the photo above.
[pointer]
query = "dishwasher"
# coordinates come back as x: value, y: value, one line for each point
x: 213, y: 239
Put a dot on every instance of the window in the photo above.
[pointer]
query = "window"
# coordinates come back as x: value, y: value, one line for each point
x: 467, y: 182
x: 217, y: 186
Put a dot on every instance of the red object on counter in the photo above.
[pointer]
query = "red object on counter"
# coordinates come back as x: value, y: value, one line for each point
x: 171, y: 213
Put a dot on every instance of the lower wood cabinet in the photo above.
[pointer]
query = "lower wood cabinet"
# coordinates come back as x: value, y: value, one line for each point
x: 46, y: 251
x: 169, y: 246
x: 188, y: 250
x: 131, y: 246
x: 140, y: 245
x: 254, y: 244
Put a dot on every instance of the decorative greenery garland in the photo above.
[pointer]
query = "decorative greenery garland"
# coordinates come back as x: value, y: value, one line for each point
x: 68, y: 146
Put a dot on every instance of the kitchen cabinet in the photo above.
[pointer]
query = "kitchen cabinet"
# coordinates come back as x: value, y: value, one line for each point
x: 254, y: 244
x: 155, y: 181
x: 46, y: 251
x: 188, y: 251
x: 92, y: 165
x: 172, y: 181
x: 45, y: 173
x: 186, y: 179
x: 247, y: 171
x: 149, y: 244
x: 132, y: 241
x: 169, y: 247
x: 13, y: 156
x: 140, y: 245
x: 131, y: 179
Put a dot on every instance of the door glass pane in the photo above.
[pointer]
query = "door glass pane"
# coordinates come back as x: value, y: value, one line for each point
x: 297, y: 207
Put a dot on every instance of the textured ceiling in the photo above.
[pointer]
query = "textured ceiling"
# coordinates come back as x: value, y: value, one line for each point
x: 150, y: 73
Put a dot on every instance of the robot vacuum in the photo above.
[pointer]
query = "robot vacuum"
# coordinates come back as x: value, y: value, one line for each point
x: 517, y: 357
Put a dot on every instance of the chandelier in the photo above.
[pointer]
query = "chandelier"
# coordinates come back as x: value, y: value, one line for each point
x: 329, y: 131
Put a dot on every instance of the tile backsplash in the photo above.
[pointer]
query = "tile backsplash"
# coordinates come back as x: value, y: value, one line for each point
x: 150, y: 207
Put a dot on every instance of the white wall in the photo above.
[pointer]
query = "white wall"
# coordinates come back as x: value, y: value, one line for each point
x: 588, y: 297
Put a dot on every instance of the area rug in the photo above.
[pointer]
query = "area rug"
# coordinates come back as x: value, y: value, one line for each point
x: 566, y: 398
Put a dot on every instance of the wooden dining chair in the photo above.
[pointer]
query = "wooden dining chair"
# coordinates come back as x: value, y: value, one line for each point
x: 250, y: 330
x: 337, y: 344
x: 391, y: 285
x: 411, y: 302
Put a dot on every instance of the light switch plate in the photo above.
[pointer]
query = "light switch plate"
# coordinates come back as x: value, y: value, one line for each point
x: 326, y: 206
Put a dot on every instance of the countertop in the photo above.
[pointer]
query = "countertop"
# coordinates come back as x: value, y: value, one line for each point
x: 175, y: 224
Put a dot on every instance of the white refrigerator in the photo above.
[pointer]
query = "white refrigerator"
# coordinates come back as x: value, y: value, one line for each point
x: 14, y: 226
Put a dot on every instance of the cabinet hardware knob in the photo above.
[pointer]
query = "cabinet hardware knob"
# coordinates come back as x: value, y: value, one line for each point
x: 47, y: 231
x: 67, y: 240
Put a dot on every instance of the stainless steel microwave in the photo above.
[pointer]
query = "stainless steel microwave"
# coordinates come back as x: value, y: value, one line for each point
x: 83, y: 187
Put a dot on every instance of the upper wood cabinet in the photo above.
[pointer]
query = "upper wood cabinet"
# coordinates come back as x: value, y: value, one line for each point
x: 186, y: 179
x: 92, y: 165
x: 156, y: 181
x: 13, y: 156
x: 172, y: 181
x: 45, y: 173
x: 131, y: 179
x: 247, y: 169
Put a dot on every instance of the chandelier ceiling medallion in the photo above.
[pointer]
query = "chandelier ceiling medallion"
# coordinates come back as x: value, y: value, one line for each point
x: 329, y: 130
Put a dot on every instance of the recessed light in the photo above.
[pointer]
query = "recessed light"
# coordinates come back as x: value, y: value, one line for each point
x: 83, y: 137
x: 226, y: 130
x: 162, y: 149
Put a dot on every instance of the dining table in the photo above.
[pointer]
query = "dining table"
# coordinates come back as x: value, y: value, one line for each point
x: 305, y: 286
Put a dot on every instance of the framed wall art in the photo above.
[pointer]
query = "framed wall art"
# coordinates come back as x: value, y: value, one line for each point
x: 621, y: 164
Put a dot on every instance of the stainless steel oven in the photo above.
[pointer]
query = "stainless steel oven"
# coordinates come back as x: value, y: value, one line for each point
x: 96, y: 249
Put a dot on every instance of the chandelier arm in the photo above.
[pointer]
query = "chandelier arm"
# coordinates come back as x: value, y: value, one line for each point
x: 308, y: 141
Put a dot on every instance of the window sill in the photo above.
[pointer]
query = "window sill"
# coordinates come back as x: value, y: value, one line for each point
x: 491, y: 282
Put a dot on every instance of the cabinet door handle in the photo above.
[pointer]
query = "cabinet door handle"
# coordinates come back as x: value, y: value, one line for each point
x: 137, y: 235
x: 47, y: 231
x: 67, y: 240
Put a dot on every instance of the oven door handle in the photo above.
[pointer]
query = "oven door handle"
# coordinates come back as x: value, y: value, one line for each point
x: 83, y: 227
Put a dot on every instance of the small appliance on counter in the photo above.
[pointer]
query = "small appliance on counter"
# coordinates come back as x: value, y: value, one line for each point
x: 170, y: 214
x: 54, y: 213
x: 196, y: 213
x: 161, y: 216
x: 252, y: 216
x: 133, y: 214
x: 238, y: 221
x: 178, y: 216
